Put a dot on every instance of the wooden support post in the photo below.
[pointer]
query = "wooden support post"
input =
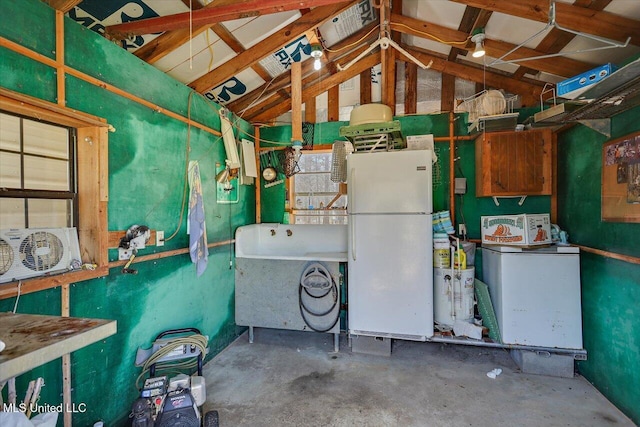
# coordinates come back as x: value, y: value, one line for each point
x: 448, y: 92
x: 310, y: 110
x: 365, y: 87
x: 60, y: 73
x: 452, y: 169
x: 66, y: 363
x: 296, y: 101
x: 258, y: 181
x: 410, y: 88
x: 333, y: 104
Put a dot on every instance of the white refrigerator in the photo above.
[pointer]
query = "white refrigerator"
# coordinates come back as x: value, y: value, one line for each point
x: 390, y: 255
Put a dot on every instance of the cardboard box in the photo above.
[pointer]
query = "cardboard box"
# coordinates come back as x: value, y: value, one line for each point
x: 574, y: 86
x: 519, y: 230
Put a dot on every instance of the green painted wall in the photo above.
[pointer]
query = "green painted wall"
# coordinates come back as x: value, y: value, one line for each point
x: 610, y: 288
x: 147, y: 156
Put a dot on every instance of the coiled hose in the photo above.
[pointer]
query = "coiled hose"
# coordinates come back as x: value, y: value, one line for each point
x: 197, y: 340
x: 317, y: 278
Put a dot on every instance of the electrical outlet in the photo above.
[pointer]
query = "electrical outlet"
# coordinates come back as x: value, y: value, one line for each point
x: 159, y: 238
x: 460, y: 186
x: 462, y: 229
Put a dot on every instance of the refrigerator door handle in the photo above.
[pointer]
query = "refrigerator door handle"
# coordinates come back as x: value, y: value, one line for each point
x: 352, y: 226
x: 352, y: 194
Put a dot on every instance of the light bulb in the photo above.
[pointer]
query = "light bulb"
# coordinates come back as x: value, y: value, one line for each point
x: 317, y: 64
x: 478, y: 39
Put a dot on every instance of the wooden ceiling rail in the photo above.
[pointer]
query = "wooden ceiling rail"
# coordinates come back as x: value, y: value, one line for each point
x: 266, y: 47
x: 576, y: 18
x: 564, y: 67
x: 529, y: 92
x: 316, y: 89
x: 210, y: 15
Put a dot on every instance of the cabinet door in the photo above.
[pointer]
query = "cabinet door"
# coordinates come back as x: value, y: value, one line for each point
x: 514, y: 163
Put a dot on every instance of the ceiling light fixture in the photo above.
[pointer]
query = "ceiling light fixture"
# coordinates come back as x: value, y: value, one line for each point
x: 479, y: 51
x: 316, y: 53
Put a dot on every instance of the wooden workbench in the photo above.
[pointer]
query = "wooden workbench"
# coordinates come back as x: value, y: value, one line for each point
x: 32, y: 340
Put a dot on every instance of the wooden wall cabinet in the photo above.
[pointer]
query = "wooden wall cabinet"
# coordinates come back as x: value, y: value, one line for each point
x: 514, y: 163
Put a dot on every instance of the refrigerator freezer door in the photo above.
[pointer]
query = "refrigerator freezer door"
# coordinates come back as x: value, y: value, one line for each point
x: 389, y: 182
x: 390, y: 282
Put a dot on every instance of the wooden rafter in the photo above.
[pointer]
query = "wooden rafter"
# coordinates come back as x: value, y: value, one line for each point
x: 557, y: 39
x: 282, y: 81
x: 211, y: 15
x: 529, y: 91
x: 565, y: 67
x: 319, y: 87
x: 598, y: 23
x: 266, y: 47
x: 270, y: 100
x: 171, y: 40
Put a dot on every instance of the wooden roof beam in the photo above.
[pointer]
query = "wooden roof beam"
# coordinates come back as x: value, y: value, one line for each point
x: 266, y: 47
x: 565, y: 67
x: 576, y: 18
x: 557, y: 39
x: 210, y: 15
x: 529, y: 92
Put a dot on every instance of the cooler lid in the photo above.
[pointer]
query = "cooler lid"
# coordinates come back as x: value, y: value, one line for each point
x: 553, y: 249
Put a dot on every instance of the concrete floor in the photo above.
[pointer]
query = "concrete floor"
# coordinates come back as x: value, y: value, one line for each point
x: 289, y: 378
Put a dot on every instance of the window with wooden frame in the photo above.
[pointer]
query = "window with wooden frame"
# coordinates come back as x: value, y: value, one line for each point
x: 315, y: 199
x: 57, y: 183
x: 37, y: 174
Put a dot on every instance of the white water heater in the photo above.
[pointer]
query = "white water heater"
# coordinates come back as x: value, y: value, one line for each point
x: 453, y: 296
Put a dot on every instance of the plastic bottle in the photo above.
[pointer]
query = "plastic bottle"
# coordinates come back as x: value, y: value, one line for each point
x: 460, y: 259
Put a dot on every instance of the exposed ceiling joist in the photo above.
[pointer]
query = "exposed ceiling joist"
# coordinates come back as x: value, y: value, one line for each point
x: 266, y: 47
x: 528, y: 91
x: 63, y: 6
x: 210, y: 15
x: 467, y: 23
x: 564, y: 67
x: 576, y: 18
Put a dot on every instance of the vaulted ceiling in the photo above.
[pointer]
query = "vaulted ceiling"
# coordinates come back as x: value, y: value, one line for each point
x: 238, y: 52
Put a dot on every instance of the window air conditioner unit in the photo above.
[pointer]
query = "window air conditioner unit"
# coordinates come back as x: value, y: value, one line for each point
x: 33, y: 252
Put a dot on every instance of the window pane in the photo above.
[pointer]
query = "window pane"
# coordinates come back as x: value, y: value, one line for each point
x: 45, y: 213
x: 46, y: 174
x: 11, y: 213
x: 9, y: 132
x: 45, y: 140
x: 9, y: 170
